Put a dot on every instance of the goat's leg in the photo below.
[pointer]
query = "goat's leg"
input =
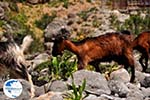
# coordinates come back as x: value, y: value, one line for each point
x: 132, y: 73
x: 146, y: 62
x: 145, y: 56
x: 141, y: 62
x: 130, y: 62
x: 81, y: 65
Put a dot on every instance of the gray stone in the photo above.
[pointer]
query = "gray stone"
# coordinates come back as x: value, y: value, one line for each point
x: 118, y: 87
x: 91, y: 97
x: 53, y: 30
x: 95, y: 82
x: 139, y: 76
x: 121, y: 75
x: 145, y: 82
x: 58, y: 86
x: 56, y: 97
x: 145, y: 92
x: 135, y: 92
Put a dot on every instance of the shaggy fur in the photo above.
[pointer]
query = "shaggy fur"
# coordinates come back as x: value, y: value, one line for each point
x: 12, y: 60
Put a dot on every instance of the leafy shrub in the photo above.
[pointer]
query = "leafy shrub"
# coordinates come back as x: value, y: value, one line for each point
x: 55, y: 3
x: 19, y: 29
x: 63, y: 67
x: 135, y: 23
x: 45, y: 20
x: 2, y: 22
x: 65, y: 3
x: 96, y: 23
x: 59, y: 67
x: 85, y: 14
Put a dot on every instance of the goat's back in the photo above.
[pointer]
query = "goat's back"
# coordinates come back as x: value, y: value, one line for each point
x: 142, y: 39
x: 105, y: 47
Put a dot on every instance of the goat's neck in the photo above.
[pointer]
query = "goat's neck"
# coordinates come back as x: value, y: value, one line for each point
x: 71, y: 46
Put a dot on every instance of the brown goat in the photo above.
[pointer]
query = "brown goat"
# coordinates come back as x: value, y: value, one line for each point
x: 142, y: 44
x: 108, y: 47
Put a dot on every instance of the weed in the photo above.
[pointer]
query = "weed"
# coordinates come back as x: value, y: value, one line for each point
x: 77, y: 93
x: 85, y: 14
x: 45, y: 20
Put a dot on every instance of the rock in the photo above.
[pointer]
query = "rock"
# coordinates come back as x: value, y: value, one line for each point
x: 46, y: 96
x: 146, y: 82
x: 53, y: 30
x: 58, y: 86
x: 95, y: 82
x: 91, y: 97
x: 57, y: 97
x: 4, y: 6
x: 105, y: 97
x: 26, y: 90
x: 39, y: 59
x: 2, y: 13
x: 118, y: 87
x: 120, y: 75
x: 145, y: 92
x: 135, y: 95
x: 36, y: 1
x: 139, y: 76
x: 135, y: 92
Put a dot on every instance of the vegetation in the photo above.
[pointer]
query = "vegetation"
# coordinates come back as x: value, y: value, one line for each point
x: 85, y: 14
x: 55, y: 3
x: 59, y: 67
x: 45, y: 20
x: 77, y: 93
x: 32, y: 19
x: 136, y: 23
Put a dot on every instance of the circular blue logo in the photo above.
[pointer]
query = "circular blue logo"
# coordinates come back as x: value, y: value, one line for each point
x: 12, y: 88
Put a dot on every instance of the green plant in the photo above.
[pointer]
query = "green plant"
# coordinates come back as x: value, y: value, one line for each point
x: 85, y: 14
x: 55, y: 3
x: 45, y: 20
x: 2, y: 22
x: 77, y: 93
x: 89, y: 1
x: 135, y: 23
x: 65, y: 3
x: 59, y: 67
x: 108, y: 67
x: 96, y: 23
x: 63, y: 67
x: 19, y: 29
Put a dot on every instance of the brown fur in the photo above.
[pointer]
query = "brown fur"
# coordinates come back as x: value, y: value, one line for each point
x: 108, y: 47
x: 142, y: 44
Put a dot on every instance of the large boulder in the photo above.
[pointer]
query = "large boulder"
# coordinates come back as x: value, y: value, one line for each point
x: 54, y: 29
x: 121, y: 75
x: 146, y: 82
x: 4, y: 6
x: 95, y: 82
x: 118, y: 88
x: 36, y: 1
